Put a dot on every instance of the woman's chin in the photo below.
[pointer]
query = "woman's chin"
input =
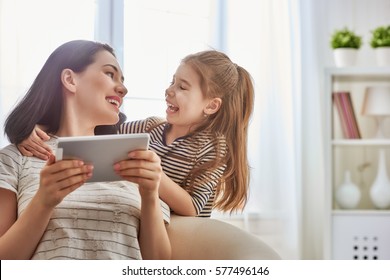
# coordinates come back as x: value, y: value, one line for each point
x: 112, y: 120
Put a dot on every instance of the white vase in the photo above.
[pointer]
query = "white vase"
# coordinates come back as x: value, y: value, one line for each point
x: 382, y: 55
x: 380, y: 189
x: 348, y: 194
x: 344, y: 57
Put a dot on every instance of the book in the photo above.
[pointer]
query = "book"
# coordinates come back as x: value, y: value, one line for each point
x: 343, y: 103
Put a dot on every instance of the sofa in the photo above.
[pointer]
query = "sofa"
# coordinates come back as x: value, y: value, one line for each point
x: 194, y: 238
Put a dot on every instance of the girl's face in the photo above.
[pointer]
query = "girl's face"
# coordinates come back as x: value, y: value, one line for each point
x: 100, y: 91
x: 185, y: 100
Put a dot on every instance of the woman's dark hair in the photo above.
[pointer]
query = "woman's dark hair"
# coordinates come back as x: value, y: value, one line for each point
x: 110, y: 129
x: 43, y: 102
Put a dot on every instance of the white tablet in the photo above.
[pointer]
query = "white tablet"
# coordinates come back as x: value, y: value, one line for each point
x: 102, y: 151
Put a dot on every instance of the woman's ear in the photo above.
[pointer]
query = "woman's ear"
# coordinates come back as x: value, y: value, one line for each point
x: 68, y: 79
x: 213, y: 106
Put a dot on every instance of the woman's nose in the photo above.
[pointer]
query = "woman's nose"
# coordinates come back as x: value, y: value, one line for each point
x: 121, y: 90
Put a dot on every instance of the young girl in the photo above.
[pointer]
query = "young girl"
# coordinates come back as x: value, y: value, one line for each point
x: 47, y: 210
x: 202, y: 143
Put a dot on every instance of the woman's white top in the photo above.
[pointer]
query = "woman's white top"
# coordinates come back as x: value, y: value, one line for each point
x: 96, y: 221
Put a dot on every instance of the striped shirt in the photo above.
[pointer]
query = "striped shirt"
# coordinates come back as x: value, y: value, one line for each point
x: 182, y: 156
x: 96, y: 221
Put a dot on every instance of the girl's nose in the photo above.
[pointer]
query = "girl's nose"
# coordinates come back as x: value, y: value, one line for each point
x: 169, y: 92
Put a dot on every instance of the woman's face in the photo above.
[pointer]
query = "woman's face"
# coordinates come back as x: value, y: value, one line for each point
x: 99, y: 91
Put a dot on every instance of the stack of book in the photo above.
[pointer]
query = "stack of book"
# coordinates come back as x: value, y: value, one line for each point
x: 343, y: 103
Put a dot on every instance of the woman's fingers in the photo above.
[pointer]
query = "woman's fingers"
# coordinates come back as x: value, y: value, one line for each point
x: 58, y: 179
x: 143, y: 168
x: 144, y: 155
x: 65, y: 173
x: 138, y: 168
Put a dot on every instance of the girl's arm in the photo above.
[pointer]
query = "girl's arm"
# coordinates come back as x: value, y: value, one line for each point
x: 144, y: 168
x: 202, y: 189
x: 34, y: 145
x: 19, y: 237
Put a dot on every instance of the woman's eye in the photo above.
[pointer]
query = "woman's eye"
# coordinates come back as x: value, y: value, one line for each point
x: 110, y: 74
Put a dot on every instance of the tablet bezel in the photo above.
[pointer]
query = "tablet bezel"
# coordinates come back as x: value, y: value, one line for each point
x: 103, y: 151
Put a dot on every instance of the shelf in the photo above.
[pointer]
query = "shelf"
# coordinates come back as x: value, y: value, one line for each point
x: 361, y: 142
x: 361, y: 212
x: 357, y: 71
x: 345, y: 228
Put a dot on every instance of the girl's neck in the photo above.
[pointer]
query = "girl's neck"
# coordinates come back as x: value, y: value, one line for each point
x: 175, y: 132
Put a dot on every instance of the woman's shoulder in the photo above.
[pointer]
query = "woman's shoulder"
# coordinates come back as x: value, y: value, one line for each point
x: 11, y: 163
x: 10, y: 151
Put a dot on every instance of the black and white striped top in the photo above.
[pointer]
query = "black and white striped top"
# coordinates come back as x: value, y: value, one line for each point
x: 96, y: 221
x: 182, y: 155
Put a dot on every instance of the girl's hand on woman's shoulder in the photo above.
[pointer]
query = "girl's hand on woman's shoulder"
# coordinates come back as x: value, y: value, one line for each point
x: 34, y: 145
x: 143, y: 168
x: 58, y: 179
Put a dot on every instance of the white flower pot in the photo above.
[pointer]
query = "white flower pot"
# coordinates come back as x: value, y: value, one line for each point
x: 348, y: 194
x: 345, y: 57
x: 382, y: 55
x: 380, y: 189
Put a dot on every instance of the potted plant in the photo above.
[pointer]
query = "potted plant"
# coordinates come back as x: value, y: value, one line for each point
x: 345, y: 44
x: 380, y: 41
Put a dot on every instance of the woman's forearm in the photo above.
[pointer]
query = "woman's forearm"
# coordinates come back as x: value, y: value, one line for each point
x: 178, y: 199
x: 22, y: 238
x: 153, y: 238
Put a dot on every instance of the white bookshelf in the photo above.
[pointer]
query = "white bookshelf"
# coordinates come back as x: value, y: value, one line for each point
x: 364, y: 232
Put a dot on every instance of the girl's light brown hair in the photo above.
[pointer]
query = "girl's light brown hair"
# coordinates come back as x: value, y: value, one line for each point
x: 222, y: 78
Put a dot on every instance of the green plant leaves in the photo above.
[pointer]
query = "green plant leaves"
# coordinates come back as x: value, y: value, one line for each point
x: 345, y: 38
x: 380, y: 37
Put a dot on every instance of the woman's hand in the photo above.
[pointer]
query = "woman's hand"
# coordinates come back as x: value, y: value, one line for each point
x: 143, y: 168
x: 34, y: 145
x: 58, y: 179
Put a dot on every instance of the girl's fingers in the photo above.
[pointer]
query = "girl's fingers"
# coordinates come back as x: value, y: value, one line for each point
x: 40, y: 146
x: 24, y: 151
x: 39, y: 152
x: 43, y: 135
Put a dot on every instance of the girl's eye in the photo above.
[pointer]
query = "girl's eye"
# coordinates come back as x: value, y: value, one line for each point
x: 110, y: 74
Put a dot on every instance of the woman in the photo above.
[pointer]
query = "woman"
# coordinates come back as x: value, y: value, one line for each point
x: 47, y: 211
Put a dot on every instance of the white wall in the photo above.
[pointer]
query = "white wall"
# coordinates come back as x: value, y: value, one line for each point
x: 323, y: 17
